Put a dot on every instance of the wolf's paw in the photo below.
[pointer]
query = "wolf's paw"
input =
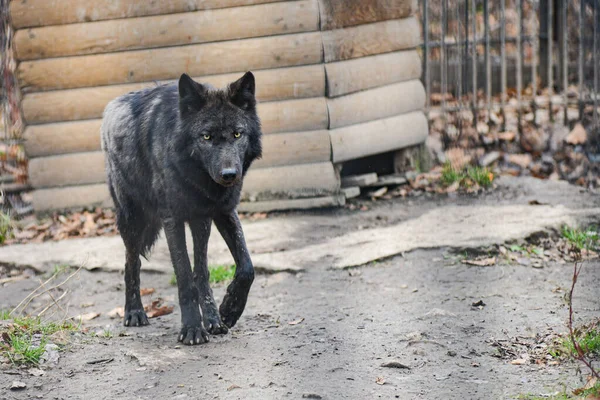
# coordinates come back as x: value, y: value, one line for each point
x: 231, y: 311
x: 192, y: 335
x: 135, y: 317
x: 214, y: 325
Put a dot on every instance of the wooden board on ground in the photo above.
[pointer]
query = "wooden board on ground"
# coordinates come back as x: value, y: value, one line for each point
x: 378, y: 136
x: 372, y: 104
x: 351, y: 192
x: 86, y: 103
x: 305, y: 179
x: 170, y: 62
x: 337, y: 14
x: 359, y: 180
x: 167, y: 30
x: 344, y: 77
x: 27, y: 13
x: 292, y: 204
x: 388, y: 180
x: 371, y: 39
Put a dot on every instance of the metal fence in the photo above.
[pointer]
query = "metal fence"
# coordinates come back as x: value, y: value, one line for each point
x: 491, y: 56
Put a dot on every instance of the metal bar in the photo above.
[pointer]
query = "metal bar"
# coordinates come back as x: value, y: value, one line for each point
x: 565, y: 59
x: 550, y: 57
x: 595, y: 67
x: 443, y: 66
x: 534, y: 71
x: 488, y: 66
x: 509, y: 39
x: 580, y: 58
x: 457, y: 54
x: 474, y: 59
x: 503, y: 59
x: 466, y: 49
x: 426, y: 52
x: 519, y: 61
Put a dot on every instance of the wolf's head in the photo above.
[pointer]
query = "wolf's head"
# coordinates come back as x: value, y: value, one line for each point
x: 220, y: 127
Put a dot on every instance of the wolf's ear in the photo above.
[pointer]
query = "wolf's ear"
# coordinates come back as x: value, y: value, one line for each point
x: 191, y: 94
x: 241, y: 92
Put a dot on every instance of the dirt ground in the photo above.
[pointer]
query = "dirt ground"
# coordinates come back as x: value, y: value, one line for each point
x: 325, y: 333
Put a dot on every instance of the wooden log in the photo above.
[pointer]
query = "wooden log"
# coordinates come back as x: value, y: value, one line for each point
x: 280, y: 116
x: 370, y: 39
x: 292, y: 204
x: 336, y: 14
x: 28, y: 13
x: 305, y: 179
x: 294, y: 115
x: 170, y: 62
x: 379, y: 136
x: 359, y: 180
x: 344, y: 77
x: 167, y: 30
x: 62, y: 137
x: 86, y: 103
x: 88, y: 168
x: 294, y: 148
x: 372, y: 104
x: 71, y: 196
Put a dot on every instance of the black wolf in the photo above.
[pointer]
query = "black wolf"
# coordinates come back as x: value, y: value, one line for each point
x: 177, y: 154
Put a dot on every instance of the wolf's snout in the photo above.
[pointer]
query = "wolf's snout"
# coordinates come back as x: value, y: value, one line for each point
x: 229, y: 174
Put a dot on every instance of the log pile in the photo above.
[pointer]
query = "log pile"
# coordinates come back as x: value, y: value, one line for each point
x: 336, y: 80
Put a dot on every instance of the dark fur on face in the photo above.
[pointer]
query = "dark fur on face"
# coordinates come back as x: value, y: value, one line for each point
x: 177, y: 154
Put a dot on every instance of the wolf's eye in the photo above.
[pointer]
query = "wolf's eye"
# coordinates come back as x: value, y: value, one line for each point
x: 206, y: 137
x: 237, y: 135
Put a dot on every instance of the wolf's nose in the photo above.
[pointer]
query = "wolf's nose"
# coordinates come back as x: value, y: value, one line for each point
x: 229, y: 174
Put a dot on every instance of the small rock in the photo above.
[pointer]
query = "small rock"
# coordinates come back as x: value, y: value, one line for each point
x: 522, y: 160
x: 524, y: 261
x: 395, y: 364
x: 519, y: 361
x: 479, y: 303
x: 451, y: 353
x: 17, y: 385
x: 489, y: 158
x: 50, y: 356
x: 311, y: 396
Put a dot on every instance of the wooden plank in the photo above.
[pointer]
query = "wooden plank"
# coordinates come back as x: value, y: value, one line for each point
x: 344, y: 77
x: 359, y: 180
x: 336, y: 14
x: 62, y: 137
x: 372, y: 104
x: 294, y: 115
x: 88, y: 168
x: 71, y: 196
x: 86, y: 103
x: 88, y: 195
x: 370, y: 39
x: 294, y: 148
x: 28, y: 13
x: 351, y: 192
x: 292, y: 204
x: 379, y: 136
x: 167, y: 30
x: 305, y: 179
x: 67, y: 169
x: 280, y: 116
x: 170, y: 62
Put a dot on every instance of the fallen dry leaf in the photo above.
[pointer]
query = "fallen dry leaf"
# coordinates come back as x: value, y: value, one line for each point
x: 234, y: 386
x: 296, y: 322
x: 118, y: 312
x: 507, y: 136
x: 519, y: 361
x: 146, y: 291
x: 522, y: 160
x: 380, y: 380
x: 483, y: 262
x: 156, y: 309
x: 577, y: 136
x: 88, y: 317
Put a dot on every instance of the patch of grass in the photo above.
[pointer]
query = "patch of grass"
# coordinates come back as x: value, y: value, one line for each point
x: 6, y: 227
x: 221, y: 273
x: 589, y: 341
x: 580, y: 238
x: 467, y: 177
x: 451, y: 175
x: 559, y: 396
x: 482, y: 176
x: 5, y: 315
x: 25, y: 339
x: 218, y: 273
x: 59, y: 269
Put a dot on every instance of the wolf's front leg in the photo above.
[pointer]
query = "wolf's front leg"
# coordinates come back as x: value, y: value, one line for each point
x: 192, y: 331
x: 234, y: 301
x: 200, y: 228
